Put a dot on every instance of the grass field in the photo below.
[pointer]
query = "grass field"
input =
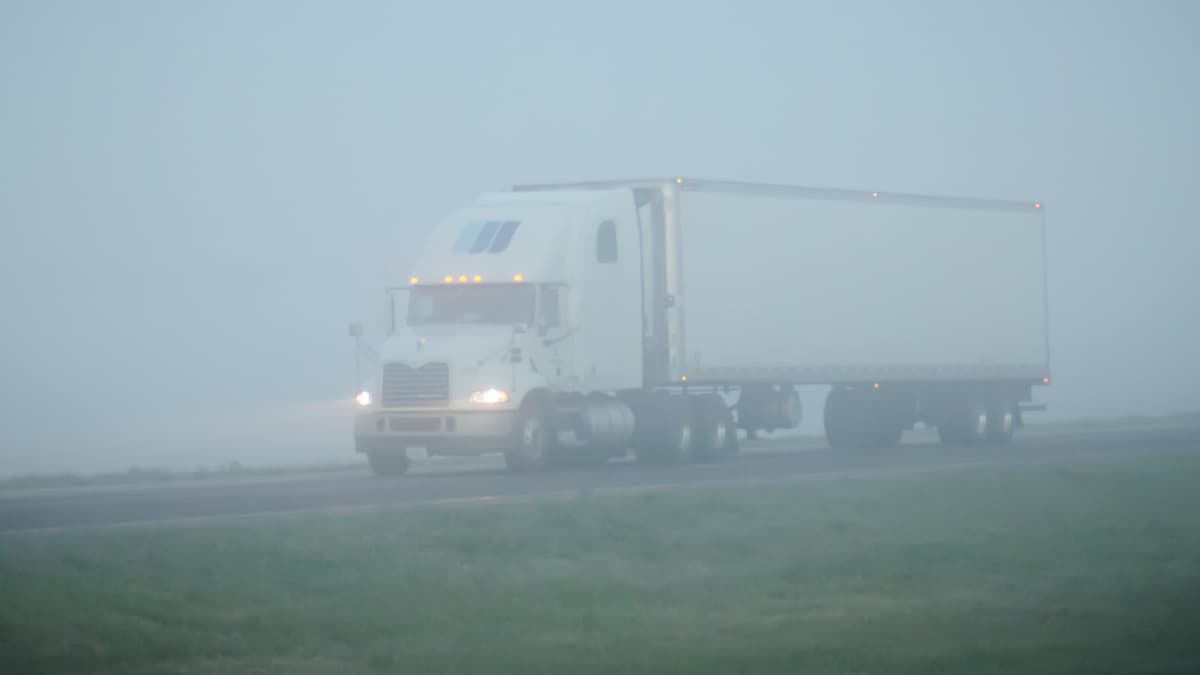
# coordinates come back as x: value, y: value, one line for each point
x: 1086, y: 568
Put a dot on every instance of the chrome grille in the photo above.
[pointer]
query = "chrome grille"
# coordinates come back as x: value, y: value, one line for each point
x: 405, y: 386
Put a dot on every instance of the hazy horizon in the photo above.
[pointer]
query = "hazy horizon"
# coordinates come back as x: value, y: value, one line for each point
x: 197, y: 198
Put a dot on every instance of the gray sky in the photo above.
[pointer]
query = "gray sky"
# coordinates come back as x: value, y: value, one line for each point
x: 196, y: 197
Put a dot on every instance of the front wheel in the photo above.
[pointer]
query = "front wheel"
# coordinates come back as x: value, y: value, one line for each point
x: 388, y: 463
x: 532, y: 440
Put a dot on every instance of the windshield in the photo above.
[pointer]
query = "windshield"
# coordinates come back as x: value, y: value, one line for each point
x: 486, y: 303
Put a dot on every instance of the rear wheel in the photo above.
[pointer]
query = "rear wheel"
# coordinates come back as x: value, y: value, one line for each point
x: 886, y: 433
x: 840, y: 428
x: 664, y: 432
x: 713, y: 425
x: 966, y: 422
x: 732, y: 444
x: 1001, y: 418
x: 678, y: 443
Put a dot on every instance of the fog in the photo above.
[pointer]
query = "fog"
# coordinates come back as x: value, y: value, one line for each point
x: 196, y: 198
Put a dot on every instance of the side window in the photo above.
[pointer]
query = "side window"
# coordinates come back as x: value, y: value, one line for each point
x: 550, y: 306
x: 606, y: 242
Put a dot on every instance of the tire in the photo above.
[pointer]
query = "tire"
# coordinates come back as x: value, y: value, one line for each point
x: 886, y: 434
x: 1001, y: 420
x: 388, y: 463
x: 532, y: 443
x: 732, y: 443
x: 840, y: 428
x: 666, y: 432
x: 643, y: 422
x: 679, y: 431
x: 712, y: 426
x: 966, y: 423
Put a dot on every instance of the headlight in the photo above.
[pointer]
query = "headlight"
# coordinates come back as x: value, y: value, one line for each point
x: 363, y: 398
x: 489, y: 396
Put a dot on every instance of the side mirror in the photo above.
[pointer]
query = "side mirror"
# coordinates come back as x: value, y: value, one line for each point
x: 356, y: 330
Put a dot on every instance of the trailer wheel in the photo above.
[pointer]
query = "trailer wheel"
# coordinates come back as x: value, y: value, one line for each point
x: 886, y: 434
x: 712, y: 425
x: 840, y: 429
x: 732, y: 444
x: 1001, y: 418
x: 388, y: 463
x: 533, y: 439
x: 966, y: 423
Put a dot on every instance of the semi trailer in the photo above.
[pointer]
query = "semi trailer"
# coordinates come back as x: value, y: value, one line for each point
x: 570, y: 323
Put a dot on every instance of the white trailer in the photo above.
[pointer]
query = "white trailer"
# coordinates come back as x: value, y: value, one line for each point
x: 569, y: 322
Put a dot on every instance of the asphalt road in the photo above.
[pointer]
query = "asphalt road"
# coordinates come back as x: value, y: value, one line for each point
x: 484, y: 481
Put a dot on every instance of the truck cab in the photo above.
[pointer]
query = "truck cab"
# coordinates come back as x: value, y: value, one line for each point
x: 491, y: 330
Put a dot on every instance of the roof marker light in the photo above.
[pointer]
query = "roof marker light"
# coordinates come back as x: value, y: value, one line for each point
x: 683, y: 378
x: 518, y: 277
x: 1045, y: 380
x: 413, y: 280
x: 679, y: 181
x: 1037, y: 205
x: 462, y: 278
x: 448, y: 280
x: 477, y: 278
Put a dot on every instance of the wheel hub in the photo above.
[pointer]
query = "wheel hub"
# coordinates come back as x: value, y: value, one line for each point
x: 721, y: 435
x: 980, y: 424
x: 531, y: 438
x: 685, y: 438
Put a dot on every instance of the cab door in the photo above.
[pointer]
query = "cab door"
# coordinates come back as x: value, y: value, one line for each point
x: 557, y: 336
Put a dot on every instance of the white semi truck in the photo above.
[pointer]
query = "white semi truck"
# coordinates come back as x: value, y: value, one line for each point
x: 569, y: 323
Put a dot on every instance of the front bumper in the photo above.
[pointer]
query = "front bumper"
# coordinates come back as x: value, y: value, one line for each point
x: 443, y: 432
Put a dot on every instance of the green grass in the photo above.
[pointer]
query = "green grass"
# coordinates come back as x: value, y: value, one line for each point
x: 1087, y: 568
